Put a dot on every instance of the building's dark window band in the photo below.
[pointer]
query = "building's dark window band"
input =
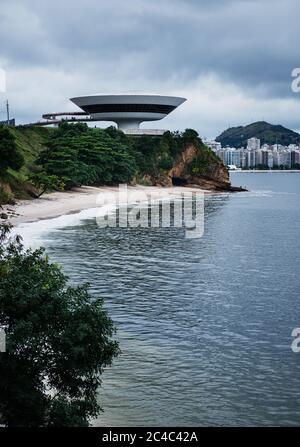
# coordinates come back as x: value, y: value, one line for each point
x: 143, y: 108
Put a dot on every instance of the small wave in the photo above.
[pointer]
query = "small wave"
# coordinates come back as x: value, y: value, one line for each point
x: 262, y: 193
x: 33, y: 233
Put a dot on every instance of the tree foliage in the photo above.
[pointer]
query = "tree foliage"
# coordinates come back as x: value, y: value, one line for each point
x: 44, y: 182
x: 59, y: 340
x: 10, y: 156
x: 78, y: 155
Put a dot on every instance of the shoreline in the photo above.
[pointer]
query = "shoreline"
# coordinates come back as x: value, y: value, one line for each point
x: 264, y: 171
x: 63, y: 203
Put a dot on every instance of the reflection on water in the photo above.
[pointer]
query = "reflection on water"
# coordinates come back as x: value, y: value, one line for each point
x: 204, y: 324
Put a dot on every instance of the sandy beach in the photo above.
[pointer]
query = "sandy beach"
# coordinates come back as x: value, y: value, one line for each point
x: 57, y: 204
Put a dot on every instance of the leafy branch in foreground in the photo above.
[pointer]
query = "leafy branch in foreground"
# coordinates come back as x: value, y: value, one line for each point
x: 44, y: 182
x: 58, y: 339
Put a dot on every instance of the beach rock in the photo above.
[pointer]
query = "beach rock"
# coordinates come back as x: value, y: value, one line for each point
x: 163, y: 180
x: 214, y: 176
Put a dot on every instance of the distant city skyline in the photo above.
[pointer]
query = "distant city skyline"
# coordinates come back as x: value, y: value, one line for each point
x: 226, y: 58
x: 267, y: 156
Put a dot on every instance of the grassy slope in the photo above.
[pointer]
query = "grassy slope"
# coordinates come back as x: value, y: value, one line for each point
x: 30, y: 141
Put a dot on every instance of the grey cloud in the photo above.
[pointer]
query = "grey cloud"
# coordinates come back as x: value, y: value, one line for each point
x: 251, y: 43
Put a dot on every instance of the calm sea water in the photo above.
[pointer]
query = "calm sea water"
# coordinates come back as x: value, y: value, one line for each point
x: 204, y: 324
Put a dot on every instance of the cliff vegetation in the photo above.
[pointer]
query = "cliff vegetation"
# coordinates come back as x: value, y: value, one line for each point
x: 34, y: 160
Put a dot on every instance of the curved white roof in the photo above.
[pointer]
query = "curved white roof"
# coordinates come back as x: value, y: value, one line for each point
x: 128, y: 111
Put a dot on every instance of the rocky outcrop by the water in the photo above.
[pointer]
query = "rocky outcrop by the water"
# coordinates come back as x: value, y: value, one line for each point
x: 212, y: 175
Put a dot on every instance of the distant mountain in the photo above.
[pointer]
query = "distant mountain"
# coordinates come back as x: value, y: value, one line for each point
x: 267, y: 133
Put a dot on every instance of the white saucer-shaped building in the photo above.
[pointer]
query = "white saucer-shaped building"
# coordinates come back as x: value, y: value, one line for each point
x: 128, y: 111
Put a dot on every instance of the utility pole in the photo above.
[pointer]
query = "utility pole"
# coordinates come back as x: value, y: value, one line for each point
x: 7, y: 112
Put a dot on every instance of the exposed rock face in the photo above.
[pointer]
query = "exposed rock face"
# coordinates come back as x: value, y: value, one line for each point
x: 180, y: 169
x: 163, y: 180
x: 217, y: 177
x: 214, y: 175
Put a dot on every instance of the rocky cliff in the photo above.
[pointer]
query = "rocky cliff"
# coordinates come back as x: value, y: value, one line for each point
x: 197, y: 166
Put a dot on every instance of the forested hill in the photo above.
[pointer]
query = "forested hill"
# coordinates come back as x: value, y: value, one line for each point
x: 267, y: 133
x: 34, y: 160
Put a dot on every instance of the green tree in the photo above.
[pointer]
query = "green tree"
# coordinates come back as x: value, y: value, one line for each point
x: 79, y: 155
x: 146, y: 151
x: 108, y: 160
x: 44, y: 182
x: 172, y: 142
x: 61, y: 159
x: 190, y: 135
x: 10, y: 156
x: 166, y: 162
x: 59, y: 340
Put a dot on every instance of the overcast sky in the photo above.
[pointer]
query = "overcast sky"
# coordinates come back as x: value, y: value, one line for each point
x: 232, y: 59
